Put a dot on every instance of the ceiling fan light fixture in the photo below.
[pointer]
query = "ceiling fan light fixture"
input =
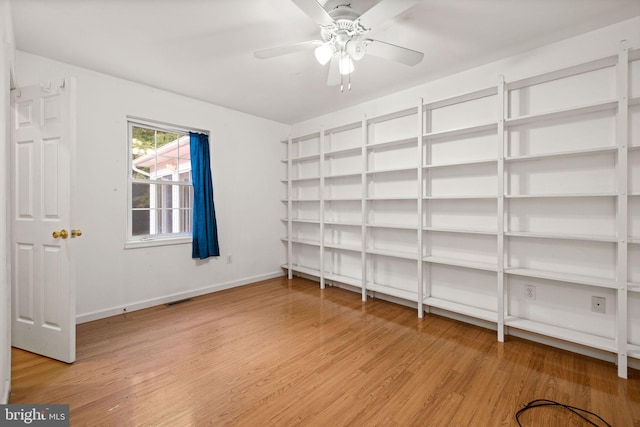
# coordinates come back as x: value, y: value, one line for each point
x: 346, y: 64
x: 344, y: 36
x: 324, y: 53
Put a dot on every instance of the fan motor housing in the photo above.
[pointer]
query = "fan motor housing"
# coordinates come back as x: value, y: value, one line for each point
x: 345, y: 24
x: 341, y: 10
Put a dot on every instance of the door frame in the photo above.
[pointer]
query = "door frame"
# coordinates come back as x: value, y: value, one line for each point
x: 7, y: 74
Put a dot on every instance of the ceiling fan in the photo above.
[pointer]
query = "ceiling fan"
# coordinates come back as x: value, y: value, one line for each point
x: 344, y: 36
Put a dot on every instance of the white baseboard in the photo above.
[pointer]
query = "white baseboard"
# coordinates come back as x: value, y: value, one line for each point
x: 139, y: 305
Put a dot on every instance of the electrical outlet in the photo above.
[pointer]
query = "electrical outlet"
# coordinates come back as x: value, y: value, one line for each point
x: 229, y: 259
x: 598, y: 304
x: 530, y: 292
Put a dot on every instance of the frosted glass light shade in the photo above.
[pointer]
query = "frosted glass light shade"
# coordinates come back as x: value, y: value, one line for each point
x: 346, y: 65
x: 324, y: 53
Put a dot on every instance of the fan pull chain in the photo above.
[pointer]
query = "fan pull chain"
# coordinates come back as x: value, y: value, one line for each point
x: 342, y: 82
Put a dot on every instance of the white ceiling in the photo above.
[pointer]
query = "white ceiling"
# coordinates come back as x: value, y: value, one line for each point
x: 204, y: 48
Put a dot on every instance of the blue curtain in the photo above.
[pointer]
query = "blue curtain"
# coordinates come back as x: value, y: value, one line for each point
x: 205, y: 229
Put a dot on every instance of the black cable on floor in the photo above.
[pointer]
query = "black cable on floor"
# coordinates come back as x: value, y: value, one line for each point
x: 546, y: 402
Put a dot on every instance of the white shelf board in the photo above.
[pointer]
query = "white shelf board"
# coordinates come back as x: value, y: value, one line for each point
x: 634, y: 101
x: 476, y: 265
x: 393, y: 226
x: 303, y: 221
x: 581, y: 237
x: 462, y: 98
x: 343, y: 151
x: 566, y: 112
x: 303, y: 138
x: 633, y: 239
x: 563, y: 277
x: 634, y: 147
x: 343, y: 128
x: 411, y: 169
x: 581, y: 338
x: 302, y: 269
x: 610, y: 149
x: 343, y: 175
x: 465, y: 97
x: 461, y: 196
x: 343, y: 279
x: 393, y: 254
x: 386, y: 144
x: 633, y: 350
x: 486, y: 127
x: 303, y: 241
x: 342, y: 199
x: 478, y: 313
x: 395, y: 292
x: 343, y: 247
x: 304, y: 158
x: 549, y: 196
x: 393, y: 115
x: 374, y: 199
x: 573, y: 70
x: 311, y: 178
x: 460, y: 230
x: 302, y: 200
x: 349, y: 224
x: 633, y: 287
x: 467, y: 163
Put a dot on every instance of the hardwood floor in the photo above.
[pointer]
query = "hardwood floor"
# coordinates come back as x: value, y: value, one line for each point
x: 286, y: 353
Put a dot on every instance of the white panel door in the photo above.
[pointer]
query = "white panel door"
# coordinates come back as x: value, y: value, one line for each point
x: 43, y: 279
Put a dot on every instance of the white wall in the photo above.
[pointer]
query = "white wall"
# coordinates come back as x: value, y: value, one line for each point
x: 245, y: 164
x: 7, y: 52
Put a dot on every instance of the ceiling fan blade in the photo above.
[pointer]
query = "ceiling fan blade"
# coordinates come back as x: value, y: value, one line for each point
x: 286, y: 49
x: 315, y: 11
x: 334, y: 72
x: 395, y: 53
x: 384, y: 10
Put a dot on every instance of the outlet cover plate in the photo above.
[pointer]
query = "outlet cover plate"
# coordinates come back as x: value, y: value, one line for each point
x: 599, y: 305
x: 530, y: 292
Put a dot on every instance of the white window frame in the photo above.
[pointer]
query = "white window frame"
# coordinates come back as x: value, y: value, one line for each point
x: 132, y: 242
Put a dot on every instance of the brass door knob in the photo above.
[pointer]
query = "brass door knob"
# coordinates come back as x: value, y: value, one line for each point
x: 62, y: 233
x: 76, y: 233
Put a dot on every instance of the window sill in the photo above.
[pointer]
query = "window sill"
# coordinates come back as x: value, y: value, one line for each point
x: 159, y: 241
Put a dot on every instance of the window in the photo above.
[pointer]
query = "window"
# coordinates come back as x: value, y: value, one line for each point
x: 160, y: 190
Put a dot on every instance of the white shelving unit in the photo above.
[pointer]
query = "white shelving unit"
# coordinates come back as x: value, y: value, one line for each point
x: 465, y: 203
